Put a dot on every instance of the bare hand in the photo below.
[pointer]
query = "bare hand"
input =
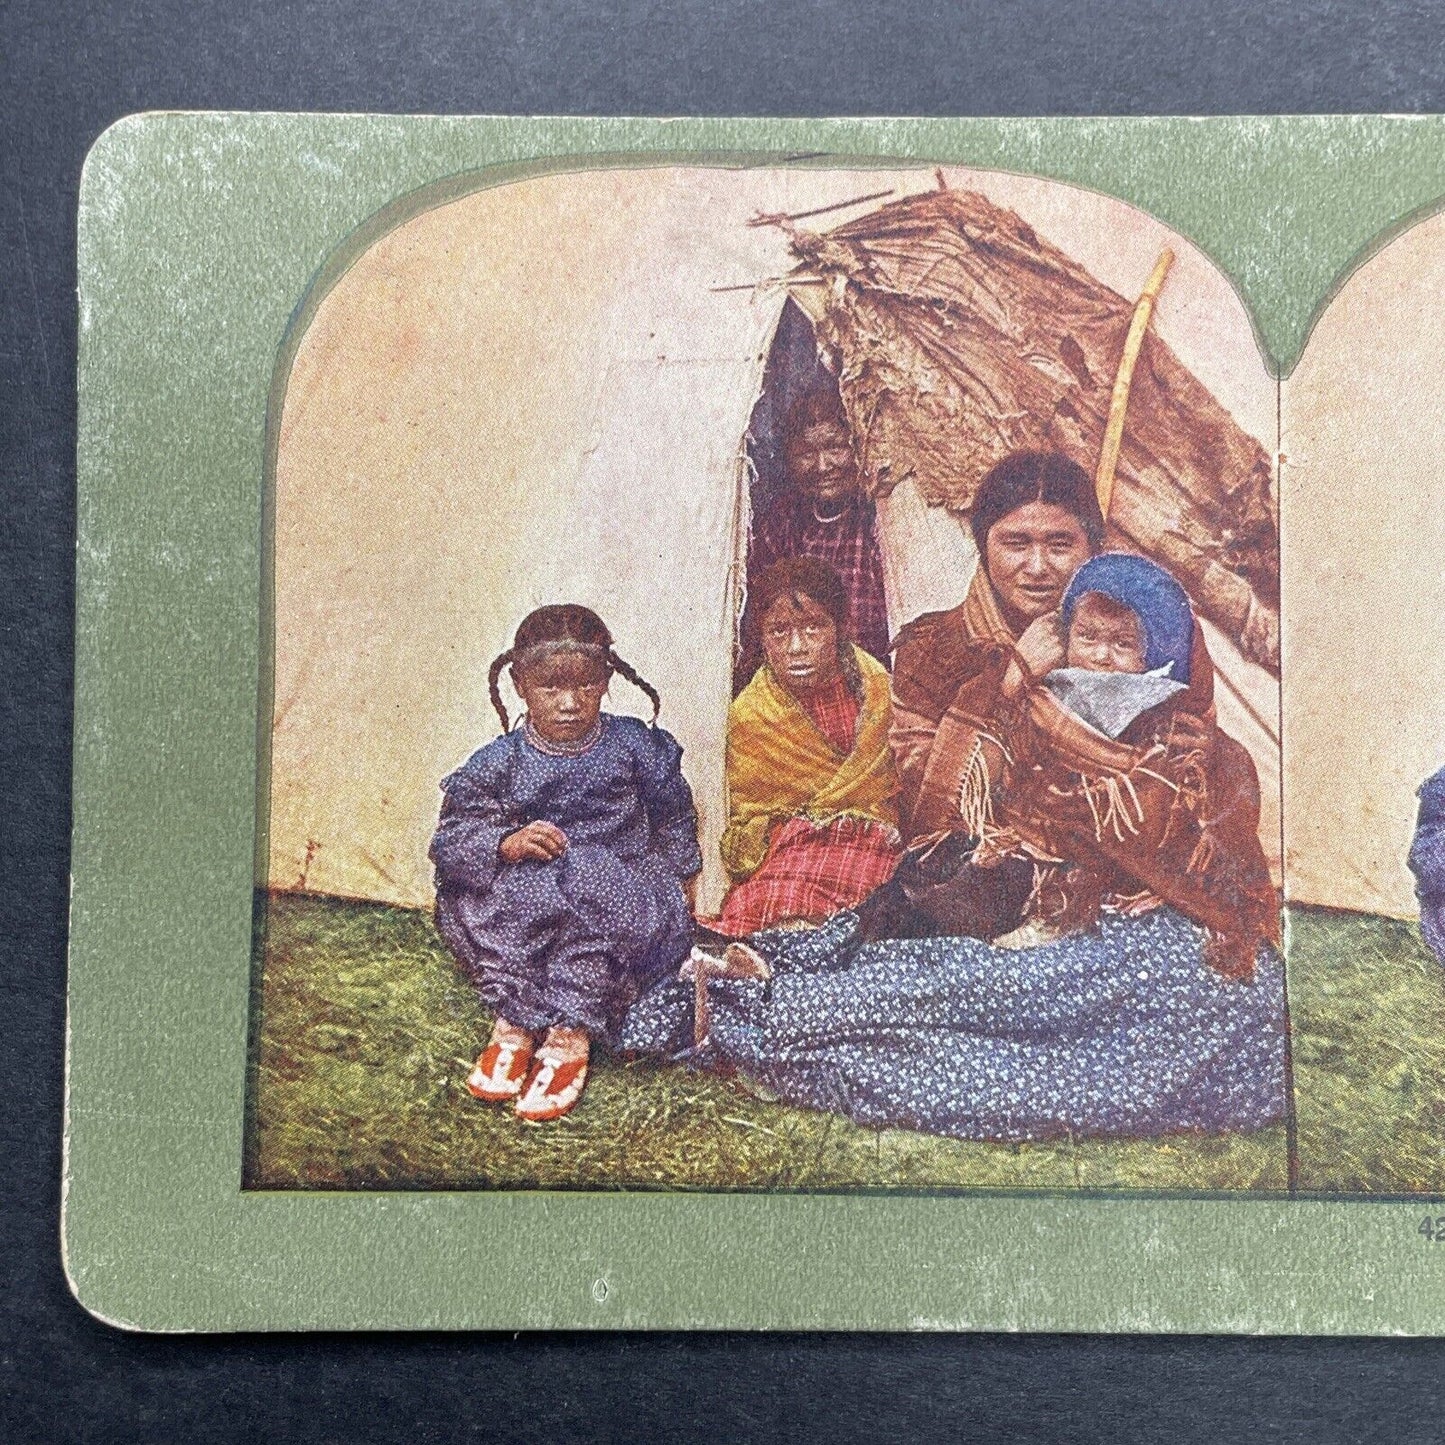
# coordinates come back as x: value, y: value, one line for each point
x: 1041, y: 647
x: 540, y: 840
x: 1042, y: 644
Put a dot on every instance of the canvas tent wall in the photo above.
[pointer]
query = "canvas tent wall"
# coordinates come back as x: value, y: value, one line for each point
x: 1363, y: 492
x: 540, y: 391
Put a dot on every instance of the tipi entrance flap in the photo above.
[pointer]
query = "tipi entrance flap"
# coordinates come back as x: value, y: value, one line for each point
x: 928, y: 557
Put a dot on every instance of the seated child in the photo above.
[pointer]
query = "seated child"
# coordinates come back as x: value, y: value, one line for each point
x: 565, y: 859
x: 812, y: 825
x: 1111, y: 788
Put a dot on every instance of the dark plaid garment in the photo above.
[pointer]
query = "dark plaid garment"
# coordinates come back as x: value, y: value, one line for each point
x: 790, y: 528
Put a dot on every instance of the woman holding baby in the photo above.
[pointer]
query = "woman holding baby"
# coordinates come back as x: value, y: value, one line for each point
x: 1107, y: 831
x: 1149, y: 804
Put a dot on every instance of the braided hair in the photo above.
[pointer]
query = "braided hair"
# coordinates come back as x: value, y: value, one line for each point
x: 565, y: 622
x: 810, y: 577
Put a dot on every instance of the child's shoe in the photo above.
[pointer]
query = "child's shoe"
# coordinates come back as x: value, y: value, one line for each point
x: 559, y: 1074
x: 501, y: 1070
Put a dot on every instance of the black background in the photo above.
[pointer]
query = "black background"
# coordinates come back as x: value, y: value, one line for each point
x: 68, y: 72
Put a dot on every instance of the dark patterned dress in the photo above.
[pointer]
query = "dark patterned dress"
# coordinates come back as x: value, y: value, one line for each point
x: 574, y: 940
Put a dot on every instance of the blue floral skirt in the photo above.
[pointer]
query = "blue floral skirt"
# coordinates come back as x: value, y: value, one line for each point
x: 1123, y: 1031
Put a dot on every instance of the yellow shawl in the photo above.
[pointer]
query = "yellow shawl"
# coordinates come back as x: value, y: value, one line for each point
x: 779, y: 766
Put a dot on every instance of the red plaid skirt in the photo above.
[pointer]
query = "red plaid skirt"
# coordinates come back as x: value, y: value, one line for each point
x: 812, y: 871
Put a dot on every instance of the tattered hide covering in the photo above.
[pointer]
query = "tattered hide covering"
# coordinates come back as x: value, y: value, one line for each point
x: 959, y: 335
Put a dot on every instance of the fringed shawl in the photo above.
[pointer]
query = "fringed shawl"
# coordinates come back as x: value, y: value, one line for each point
x: 780, y: 766
x: 983, y: 618
x: 949, y: 712
x: 1171, y: 807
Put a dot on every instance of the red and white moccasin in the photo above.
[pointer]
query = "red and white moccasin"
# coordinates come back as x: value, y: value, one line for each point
x: 501, y: 1070
x: 555, y: 1085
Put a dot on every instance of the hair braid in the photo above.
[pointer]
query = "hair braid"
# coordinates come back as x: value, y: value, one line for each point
x: 636, y: 679
x: 563, y: 622
x: 493, y: 678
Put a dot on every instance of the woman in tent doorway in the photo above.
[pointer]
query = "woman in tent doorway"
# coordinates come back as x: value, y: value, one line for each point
x: 812, y: 824
x: 820, y: 511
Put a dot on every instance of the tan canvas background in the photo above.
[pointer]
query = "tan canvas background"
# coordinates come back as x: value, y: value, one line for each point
x: 1364, y: 578
x: 533, y: 393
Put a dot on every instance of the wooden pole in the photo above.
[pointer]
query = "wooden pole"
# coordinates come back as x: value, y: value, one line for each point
x: 1119, y: 401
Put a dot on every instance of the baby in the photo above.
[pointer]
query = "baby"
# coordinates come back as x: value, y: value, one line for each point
x: 1108, y: 787
x: 1129, y: 779
x: 1128, y: 642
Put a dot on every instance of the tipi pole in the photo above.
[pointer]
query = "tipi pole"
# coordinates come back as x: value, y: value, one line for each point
x: 1119, y: 401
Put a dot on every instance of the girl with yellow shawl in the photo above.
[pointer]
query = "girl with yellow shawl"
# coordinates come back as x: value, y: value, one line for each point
x: 812, y: 817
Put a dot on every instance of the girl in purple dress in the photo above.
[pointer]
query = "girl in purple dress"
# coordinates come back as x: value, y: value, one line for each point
x: 566, y: 858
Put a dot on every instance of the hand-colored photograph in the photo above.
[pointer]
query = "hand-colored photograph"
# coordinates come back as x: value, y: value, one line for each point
x: 776, y: 685
x: 764, y: 724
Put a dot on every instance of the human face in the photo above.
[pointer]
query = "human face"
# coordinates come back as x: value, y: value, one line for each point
x: 1030, y: 554
x: 800, y: 642
x: 563, y: 695
x: 820, y: 462
x: 1103, y: 640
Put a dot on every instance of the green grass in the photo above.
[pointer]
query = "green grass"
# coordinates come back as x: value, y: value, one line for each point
x: 1367, y: 1005
x: 363, y: 1033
